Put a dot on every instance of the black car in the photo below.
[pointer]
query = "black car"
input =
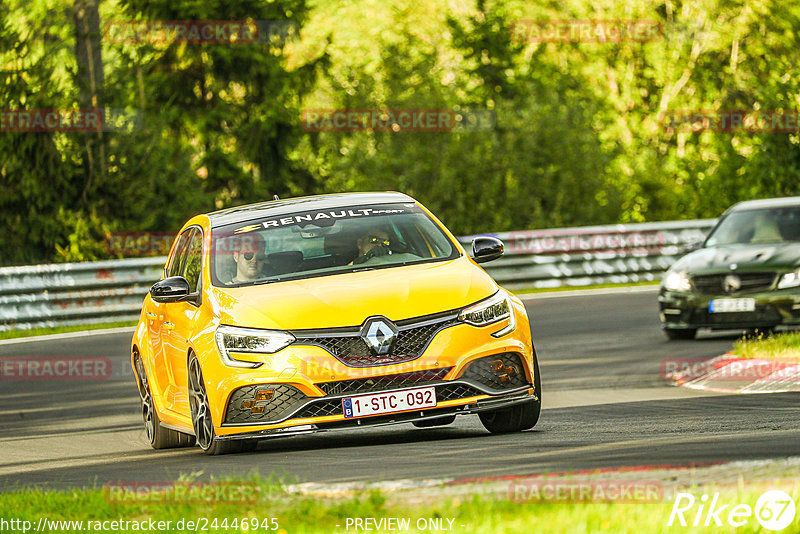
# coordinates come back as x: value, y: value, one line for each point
x: 745, y: 276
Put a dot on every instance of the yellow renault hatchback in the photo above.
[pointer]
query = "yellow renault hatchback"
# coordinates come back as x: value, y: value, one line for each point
x: 325, y: 313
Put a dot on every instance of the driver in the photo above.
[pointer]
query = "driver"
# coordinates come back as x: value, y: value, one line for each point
x: 374, y: 242
x: 248, y: 255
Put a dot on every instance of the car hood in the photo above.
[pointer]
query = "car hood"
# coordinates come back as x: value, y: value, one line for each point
x: 348, y: 299
x: 768, y: 256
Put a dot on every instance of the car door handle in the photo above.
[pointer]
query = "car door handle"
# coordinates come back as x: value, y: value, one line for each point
x: 168, y: 325
x: 152, y: 315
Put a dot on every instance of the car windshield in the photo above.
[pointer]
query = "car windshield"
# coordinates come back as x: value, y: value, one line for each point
x: 775, y: 225
x: 306, y: 244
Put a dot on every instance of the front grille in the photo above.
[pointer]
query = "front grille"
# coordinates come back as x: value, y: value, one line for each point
x: 384, y: 383
x: 714, y: 284
x: 244, y: 408
x: 763, y: 315
x: 444, y: 392
x: 321, y: 407
x: 450, y: 392
x: 498, y: 372
x: 347, y: 346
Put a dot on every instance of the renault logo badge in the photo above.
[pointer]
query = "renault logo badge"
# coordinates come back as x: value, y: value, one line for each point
x: 379, y: 334
x: 732, y: 283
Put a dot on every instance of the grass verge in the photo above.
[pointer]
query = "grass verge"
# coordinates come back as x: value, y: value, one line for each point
x: 94, y: 509
x: 13, y: 334
x: 776, y: 347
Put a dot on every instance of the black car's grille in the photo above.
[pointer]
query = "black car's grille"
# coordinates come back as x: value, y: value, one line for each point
x: 384, y: 383
x: 263, y: 403
x: 498, y: 372
x: 714, y: 284
x: 763, y: 315
x: 347, y: 346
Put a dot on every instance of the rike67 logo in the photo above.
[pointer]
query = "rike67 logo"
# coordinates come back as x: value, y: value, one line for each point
x: 774, y: 510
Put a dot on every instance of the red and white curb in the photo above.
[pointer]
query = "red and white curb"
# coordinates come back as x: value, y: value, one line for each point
x: 731, y: 374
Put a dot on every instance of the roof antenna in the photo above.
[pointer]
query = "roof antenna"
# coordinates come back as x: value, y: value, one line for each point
x: 275, y: 197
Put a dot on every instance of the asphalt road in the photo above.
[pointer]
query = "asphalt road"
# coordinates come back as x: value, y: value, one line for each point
x: 605, y: 405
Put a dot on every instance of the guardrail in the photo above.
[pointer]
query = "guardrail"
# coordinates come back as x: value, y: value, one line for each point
x: 106, y: 291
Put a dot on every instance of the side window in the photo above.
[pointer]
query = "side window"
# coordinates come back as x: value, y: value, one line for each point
x: 194, y: 260
x: 178, y: 258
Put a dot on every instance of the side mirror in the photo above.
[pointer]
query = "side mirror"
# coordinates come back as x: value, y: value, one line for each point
x: 172, y: 289
x: 486, y: 249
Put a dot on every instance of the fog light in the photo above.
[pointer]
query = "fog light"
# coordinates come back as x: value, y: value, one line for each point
x: 246, y: 405
x: 503, y: 372
x: 265, y: 395
x: 258, y: 409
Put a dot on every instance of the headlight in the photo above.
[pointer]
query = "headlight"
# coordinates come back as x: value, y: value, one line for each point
x: 790, y: 280
x: 232, y: 339
x: 677, y: 281
x: 496, y: 308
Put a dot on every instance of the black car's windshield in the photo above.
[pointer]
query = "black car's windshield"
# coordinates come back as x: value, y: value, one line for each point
x: 321, y: 242
x: 774, y: 225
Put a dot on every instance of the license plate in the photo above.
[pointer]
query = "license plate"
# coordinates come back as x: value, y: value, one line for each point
x: 731, y: 305
x: 390, y: 402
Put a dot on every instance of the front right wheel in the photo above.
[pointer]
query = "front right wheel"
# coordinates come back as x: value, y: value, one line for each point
x: 201, y: 417
x: 516, y: 418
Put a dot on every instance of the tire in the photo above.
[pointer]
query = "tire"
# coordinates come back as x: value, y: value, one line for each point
x: 439, y: 421
x: 158, y: 436
x: 516, y: 418
x: 202, y: 423
x: 680, y: 333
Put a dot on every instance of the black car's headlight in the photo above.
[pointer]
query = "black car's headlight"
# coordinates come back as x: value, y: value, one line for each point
x: 232, y: 339
x: 496, y: 308
x: 677, y: 281
x: 788, y: 280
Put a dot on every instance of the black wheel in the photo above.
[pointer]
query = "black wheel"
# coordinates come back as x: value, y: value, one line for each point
x: 158, y: 436
x: 439, y: 421
x: 201, y: 417
x: 680, y: 333
x: 520, y: 417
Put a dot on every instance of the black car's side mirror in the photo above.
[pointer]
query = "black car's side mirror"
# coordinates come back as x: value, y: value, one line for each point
x: 172, y: 289
x: 486, y: 249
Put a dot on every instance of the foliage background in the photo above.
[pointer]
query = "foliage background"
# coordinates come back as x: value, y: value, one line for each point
x: 578, y: 139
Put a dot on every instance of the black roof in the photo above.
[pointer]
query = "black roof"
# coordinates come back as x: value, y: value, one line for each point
x: 271, y: 208
x: 766, y: 203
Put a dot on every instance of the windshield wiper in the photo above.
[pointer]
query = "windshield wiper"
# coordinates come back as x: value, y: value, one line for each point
x: 267, y: 281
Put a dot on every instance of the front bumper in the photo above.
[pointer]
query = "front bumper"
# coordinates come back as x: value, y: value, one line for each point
x: 473, y: 406
x: 691, y: 310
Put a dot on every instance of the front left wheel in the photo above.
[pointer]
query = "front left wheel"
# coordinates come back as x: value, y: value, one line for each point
x: 516, y: 418
x: 158, y: 436
x: 201, y: 417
